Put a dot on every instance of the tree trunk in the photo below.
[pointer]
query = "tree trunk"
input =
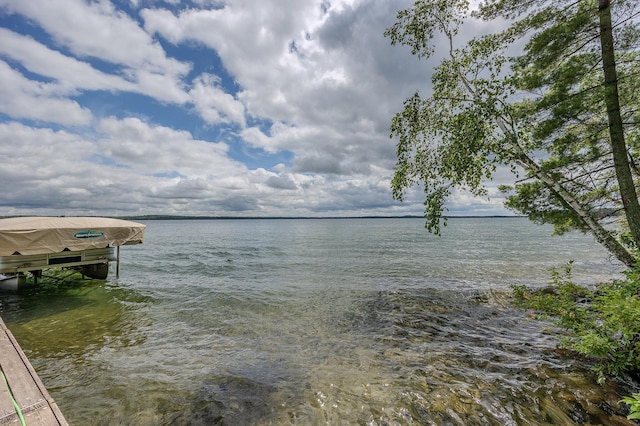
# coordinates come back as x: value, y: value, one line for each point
x: 616, y: 129
x: 603, y: 236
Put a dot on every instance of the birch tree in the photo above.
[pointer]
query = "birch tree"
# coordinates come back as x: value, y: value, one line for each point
x: 563, y: 113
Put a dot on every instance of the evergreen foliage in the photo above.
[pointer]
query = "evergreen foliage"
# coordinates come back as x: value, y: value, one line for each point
x: 563, y: 113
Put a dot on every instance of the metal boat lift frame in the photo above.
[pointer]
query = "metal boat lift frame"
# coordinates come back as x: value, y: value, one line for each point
x: 15, y: 264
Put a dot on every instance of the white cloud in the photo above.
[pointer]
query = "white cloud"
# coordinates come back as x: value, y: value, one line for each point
x: 330, y: 75
x: 69, y: 73
x: 97, y: 30
x: 43, y: 168
x: 213, y: 104
x: 161, y: 150
x: 253, y: 42
x: 28, y: 99
x: 309, y: 85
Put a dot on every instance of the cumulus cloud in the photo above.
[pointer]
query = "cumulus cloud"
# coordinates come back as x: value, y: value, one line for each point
x: 98, y: 30
x: 213, y: 104
x: 205, y: 107
x: 328, y: 72
x: 160, y: 150
x: 69, y: 73
x: 33, y: 100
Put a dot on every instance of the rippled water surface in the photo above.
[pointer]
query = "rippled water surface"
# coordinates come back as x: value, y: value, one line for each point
x: 336, y: 321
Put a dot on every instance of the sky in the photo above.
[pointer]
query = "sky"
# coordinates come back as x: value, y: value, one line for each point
x: 238, y: 108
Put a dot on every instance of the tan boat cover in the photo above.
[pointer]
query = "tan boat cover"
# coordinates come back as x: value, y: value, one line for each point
x: 45, y: 235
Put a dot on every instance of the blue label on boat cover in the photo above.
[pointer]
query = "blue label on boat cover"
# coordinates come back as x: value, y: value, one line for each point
x: 89, y: 234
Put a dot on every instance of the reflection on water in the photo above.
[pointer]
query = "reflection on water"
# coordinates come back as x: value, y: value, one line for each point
x: 312, y: 329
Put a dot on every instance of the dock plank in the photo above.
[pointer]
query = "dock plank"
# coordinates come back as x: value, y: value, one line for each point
x: 36, y: 405
x: 6, y: 405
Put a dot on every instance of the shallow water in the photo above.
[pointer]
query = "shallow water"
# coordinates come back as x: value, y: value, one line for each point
x: 354, y: 321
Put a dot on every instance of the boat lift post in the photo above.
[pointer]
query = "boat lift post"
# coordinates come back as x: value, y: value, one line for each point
x: 118, y: 262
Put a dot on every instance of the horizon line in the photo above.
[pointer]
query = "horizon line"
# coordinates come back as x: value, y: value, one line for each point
x: 200, y: 217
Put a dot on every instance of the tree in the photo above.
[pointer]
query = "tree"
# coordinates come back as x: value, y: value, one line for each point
x: 563, y: 113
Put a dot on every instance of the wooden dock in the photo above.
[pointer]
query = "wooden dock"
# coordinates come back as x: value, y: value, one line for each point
x: 23, y: 398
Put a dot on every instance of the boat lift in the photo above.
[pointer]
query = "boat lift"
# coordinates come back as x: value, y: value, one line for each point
x: 88, y: 244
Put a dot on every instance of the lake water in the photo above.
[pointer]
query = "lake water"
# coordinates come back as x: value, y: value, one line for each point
x: 314, y: 322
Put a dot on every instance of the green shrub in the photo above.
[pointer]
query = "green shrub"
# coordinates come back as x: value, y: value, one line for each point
x: 603, y: 323
x: 634, y: 406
